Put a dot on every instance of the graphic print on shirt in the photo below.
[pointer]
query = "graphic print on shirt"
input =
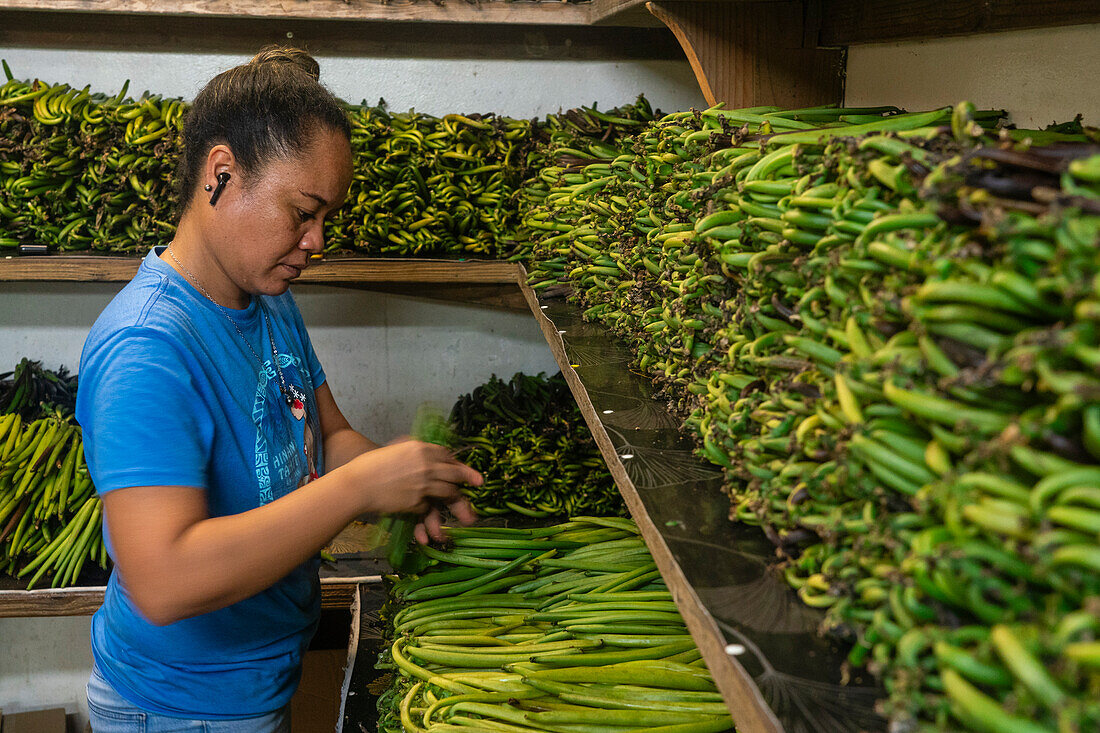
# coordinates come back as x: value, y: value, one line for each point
x: 281, y: 460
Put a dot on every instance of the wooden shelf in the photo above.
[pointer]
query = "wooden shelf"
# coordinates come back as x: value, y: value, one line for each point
x: 241, y: 36
x: 454, y: 11
x: 356, y: 564
x: 333, y: 271
x: 760, y: 642
x: 634, y: 12
x: 45, y: 602
x: 490, y: 283
x: 838, y: 22
x: 336, y: 593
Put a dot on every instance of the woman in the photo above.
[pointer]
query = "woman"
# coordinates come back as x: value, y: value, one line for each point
x: 200, y: 398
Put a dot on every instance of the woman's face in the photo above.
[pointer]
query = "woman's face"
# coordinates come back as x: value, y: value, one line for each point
x: 267, y: 232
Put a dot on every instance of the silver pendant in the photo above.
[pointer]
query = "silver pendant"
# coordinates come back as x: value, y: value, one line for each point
x: 296, y: 399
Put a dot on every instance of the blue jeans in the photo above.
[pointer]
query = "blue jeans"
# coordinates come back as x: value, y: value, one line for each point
x: 110, y: 712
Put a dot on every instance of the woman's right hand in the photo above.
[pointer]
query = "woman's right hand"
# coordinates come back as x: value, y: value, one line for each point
x: 413, y: 477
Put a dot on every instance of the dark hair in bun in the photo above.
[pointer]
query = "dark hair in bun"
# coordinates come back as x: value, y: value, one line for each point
x: 264, y: 110
x: 285, y: 55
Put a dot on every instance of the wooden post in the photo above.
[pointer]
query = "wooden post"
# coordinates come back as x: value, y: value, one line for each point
x: 747, y: 54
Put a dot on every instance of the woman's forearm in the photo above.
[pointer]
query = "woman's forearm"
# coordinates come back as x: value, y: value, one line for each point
x: 266, y: 543
x: 178, y: 562
x: 187, y: 567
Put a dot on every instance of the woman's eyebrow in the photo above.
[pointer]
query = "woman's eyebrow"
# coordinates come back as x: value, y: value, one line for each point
x: 320, y: 199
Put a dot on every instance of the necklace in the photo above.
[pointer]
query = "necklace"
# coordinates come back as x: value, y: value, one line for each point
x: 295, y: 398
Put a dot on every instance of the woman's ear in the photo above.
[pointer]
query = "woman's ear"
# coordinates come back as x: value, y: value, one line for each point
x: 219, y: 170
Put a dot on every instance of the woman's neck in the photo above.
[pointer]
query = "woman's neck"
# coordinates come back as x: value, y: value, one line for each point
x: 189, y: 255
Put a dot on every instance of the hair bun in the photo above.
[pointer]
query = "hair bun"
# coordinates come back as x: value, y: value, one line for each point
x: 288, y: 55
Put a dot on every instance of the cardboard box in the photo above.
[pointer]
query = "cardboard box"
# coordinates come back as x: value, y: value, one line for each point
x: 35, y: 721
x: 315, y: 707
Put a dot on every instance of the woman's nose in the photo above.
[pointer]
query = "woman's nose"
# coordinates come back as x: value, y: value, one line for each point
x: 314, y: 239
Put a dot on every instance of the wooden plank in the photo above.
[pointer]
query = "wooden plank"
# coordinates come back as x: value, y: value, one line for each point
x: 336, y: 271
x: 207, y: 34
x: 500, y: 297
x: 411, y: 271
x: 846, y: 22
x: 456, y: 11
x: 337, y: 593
x: 61, y: 602
x: 749, y: 710
x: 68, y: 268
x: 749, y: 54
x: 606, y: 11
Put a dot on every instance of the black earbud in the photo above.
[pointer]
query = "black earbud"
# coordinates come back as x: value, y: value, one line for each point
x: 223, y: 178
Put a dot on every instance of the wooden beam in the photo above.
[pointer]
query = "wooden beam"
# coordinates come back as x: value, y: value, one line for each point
x: 335, y: 594
x: 613, y: 11
x: 455, y: 11
x: 244, y: 35
x: 68, y: 268
x: 746, y: 54
x: 62, y: 602
x: 499, y: 297
x: 336, y: 271
x: 487, y: 283
x: 363, y: 270
x: 846, y: 22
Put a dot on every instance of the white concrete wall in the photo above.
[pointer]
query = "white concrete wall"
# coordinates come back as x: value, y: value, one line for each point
x: 383, y: 354
x: 1039, y: 76
x: 516, y: 88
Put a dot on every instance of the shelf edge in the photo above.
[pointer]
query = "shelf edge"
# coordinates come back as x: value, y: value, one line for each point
x: 336, y: 593
x: 93, y: 268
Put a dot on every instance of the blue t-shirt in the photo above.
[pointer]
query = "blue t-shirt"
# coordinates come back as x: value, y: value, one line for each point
x: 170, y: 395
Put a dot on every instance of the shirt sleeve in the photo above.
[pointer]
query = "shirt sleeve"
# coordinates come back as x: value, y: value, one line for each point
x: 144, y: 419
